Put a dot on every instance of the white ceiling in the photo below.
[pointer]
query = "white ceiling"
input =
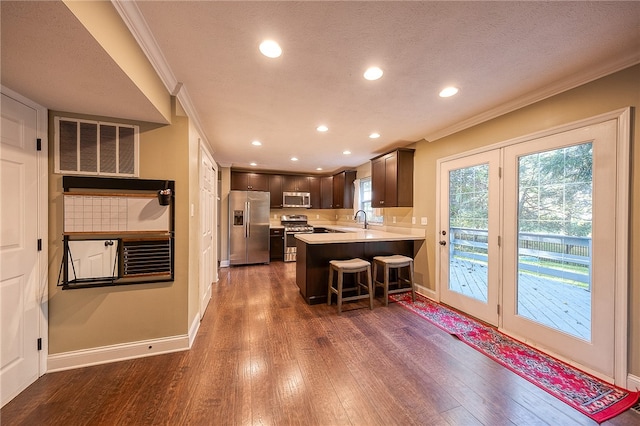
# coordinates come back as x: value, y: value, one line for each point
x: 502, y: 55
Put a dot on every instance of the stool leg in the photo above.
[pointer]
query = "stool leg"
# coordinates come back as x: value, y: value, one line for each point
x: 375, y: 276
x: 330, y: 285
x: 386, y: 285
x: 413, y: 289
x: 340, y: 278
x: 371, y: 287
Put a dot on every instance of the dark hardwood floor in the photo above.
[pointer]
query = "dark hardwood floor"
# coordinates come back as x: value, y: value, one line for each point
x: 263, y: 356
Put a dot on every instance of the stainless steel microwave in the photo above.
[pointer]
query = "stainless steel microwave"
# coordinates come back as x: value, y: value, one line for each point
x: 296, y: 199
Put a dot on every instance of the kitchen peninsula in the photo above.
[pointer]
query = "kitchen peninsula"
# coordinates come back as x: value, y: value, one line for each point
x: 314, y: 251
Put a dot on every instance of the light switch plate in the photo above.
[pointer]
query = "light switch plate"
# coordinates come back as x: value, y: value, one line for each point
x: 413, y: 220
x: 394, y: 219
x: 423, y: 221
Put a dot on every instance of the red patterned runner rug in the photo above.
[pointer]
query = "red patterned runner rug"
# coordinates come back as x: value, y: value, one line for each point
x: 587, y: 394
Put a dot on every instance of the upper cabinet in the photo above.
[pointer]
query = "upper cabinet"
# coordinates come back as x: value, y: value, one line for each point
x: 314, y: 189
x: 343, y: 189
x: 326, y: 192
x: 392, y: 179
x: 247, y: 181
x: 293, y: 183
x: 275, y: 189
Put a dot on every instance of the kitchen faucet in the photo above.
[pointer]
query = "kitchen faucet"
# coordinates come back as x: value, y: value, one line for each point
x: 355, y: 216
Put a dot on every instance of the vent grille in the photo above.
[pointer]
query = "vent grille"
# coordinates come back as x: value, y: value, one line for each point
x: 146, y: 257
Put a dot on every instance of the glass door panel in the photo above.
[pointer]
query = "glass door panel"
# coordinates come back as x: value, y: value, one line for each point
x: 468, y: 227
x: 555, y: 193
x: 468, y: 230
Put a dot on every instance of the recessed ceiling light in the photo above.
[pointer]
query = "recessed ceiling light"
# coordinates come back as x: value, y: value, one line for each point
x: 346, y: 152
x: 322, y: 128
x: 374, y: 135
x: 448, y: 91
x: 256, y: 143
x: 318, y: 168
x: 270, y: 49
x: 373, y: 73
x: 294, y: 159
x: 253, y: 164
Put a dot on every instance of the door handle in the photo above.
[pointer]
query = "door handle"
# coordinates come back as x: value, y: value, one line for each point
x: 443, y: 243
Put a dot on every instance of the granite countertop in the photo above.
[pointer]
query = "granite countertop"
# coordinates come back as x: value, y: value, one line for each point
x: 355, y: 235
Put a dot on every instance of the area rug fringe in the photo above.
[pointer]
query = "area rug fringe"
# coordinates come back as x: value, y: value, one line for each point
x: 589, y: 395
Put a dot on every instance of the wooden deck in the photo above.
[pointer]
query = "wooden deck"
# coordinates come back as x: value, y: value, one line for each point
x: 550, y: 302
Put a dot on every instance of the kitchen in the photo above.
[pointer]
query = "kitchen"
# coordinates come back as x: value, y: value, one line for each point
x: 303, y: 205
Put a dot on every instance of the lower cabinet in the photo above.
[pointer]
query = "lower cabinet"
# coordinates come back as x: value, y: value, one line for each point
x: 276, y: 241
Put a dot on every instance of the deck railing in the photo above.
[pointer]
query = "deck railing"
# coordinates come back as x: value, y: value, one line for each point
x: 558, y: 256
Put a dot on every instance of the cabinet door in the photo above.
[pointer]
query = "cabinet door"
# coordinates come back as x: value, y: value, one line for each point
x: 349, y: 189
x: 239, y: 181
x: 378, y: 177
x: 326, y: 192
x: 338, y: 191
x: 289, y: 183
x: 314, y: 189
x: 258, y: 182
x: 275, y: 189
x: 293, y: 183
x: 391, y: 180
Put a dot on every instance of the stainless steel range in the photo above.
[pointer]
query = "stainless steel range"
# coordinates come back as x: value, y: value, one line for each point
x: 293, y: 224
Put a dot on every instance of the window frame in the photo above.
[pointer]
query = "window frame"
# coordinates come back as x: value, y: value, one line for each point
x: 372, y: 219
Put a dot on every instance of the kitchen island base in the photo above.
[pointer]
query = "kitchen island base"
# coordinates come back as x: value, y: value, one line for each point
x: 312, y: 262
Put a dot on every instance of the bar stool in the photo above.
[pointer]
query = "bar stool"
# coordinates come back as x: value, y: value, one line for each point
x: 396, y: 262
x: 351, y: 266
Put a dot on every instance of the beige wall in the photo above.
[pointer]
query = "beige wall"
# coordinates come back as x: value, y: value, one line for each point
x: 94, y: 317
x: 613, y: 92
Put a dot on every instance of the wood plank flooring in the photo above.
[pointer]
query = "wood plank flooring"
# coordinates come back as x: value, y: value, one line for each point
x: 263, y: 356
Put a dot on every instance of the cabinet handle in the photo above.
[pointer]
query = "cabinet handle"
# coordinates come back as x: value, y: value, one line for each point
x: 382, y: 202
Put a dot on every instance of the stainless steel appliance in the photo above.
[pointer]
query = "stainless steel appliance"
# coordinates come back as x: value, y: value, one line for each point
x: 248, y: 227
x: 296, y: 199
x: 293, y: 224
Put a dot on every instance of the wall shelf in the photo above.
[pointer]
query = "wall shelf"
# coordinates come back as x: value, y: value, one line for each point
x: 116, y: 232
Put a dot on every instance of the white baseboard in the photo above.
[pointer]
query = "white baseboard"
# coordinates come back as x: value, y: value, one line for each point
x: 224, y: 263
x: 113, y: 353
x: 193, y: 330
x: 426, y: 292
x: 633, y: 382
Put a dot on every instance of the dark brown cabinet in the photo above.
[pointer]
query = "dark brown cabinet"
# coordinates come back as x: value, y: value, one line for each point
x: 326, y: 192
x: 276, y: 244
x: 314, y: 189
x: 248, y: 181
x: 293, y: 183
x: 343, y: 189
x: 392, y: 179
x: 275, y: 191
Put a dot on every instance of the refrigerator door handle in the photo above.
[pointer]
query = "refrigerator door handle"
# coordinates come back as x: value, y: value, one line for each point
x: 247, y: 222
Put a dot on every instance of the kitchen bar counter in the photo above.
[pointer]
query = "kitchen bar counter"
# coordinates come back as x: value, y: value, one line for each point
x: 314, y: 251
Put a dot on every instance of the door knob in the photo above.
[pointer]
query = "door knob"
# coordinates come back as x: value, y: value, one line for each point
x: 443, y: 243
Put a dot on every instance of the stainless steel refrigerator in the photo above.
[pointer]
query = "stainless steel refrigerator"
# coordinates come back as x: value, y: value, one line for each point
x: 248, y: 227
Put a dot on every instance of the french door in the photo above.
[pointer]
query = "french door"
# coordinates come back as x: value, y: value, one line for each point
x: 468, y: 234
x: 527, y: 235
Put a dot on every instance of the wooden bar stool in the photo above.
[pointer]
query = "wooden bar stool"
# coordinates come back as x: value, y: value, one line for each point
x: 351, y: 266
x: 396, y: 262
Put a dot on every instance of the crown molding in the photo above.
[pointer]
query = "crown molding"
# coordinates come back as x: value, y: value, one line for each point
x: 589, y: 75
x: 133, y: 19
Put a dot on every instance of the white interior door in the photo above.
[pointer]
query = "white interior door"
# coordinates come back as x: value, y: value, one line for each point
x: 468, y: 234
x: 208, y: 263
x: 19, y: 276
x: 560, y: 244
